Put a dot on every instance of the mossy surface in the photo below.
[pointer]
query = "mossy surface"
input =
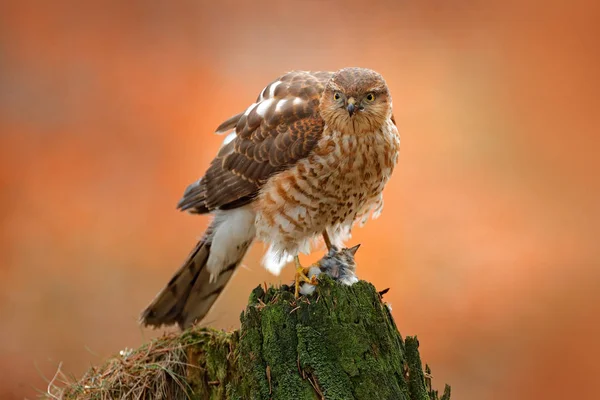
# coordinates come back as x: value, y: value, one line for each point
x: 346, y: 342
x: 341, y: 343
x: 211, y: 368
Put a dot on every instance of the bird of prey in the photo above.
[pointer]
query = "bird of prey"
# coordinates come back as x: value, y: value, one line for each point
x: 307, y: 160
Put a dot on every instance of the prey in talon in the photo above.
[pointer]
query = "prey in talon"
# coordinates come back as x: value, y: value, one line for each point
x: 302, y: 275
x: 308, y: 158
x: 338, y: 263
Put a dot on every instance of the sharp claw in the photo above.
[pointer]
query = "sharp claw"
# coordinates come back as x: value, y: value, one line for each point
x: 302, y: 276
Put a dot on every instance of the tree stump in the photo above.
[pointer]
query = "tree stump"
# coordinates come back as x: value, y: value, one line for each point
x: 340, y: 343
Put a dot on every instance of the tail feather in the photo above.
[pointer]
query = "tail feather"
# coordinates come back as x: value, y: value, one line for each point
x: 193, y: 290
x: 204, y: 294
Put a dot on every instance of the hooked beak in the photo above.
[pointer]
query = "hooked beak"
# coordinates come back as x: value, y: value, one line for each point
x: 353, y: 250
x: 351, y: 106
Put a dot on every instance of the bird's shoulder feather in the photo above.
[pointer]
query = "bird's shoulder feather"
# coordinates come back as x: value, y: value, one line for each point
x: 279, y: 129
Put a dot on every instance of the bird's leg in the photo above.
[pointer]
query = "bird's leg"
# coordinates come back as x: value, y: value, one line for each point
x: 301, y: 276
x: 327, y: 239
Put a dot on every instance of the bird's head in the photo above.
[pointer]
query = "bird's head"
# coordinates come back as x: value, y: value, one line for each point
x: 356, y: 100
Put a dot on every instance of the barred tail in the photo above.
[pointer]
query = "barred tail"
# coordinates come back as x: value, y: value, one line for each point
x: 195, y: 287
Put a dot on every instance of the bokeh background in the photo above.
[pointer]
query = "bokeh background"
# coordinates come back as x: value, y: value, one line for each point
x: 489, y: 239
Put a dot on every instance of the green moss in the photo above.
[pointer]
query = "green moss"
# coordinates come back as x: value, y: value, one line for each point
x: 446, y: 395
x: 339, y: 343
x: 211, y: 366
x: 417, y: 385
x: 346, y: 342
x: 280, y: 342
x: 254, y: 382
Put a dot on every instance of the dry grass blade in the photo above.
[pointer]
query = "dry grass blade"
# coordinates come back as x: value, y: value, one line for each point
x: 154, y: 371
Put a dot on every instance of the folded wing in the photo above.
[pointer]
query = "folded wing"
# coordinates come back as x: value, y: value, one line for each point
x: 282, y: 127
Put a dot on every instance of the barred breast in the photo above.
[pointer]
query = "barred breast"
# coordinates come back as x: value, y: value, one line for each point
x: 339, y: 183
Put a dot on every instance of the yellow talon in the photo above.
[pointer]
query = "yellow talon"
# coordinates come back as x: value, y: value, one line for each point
x: 301, y: 276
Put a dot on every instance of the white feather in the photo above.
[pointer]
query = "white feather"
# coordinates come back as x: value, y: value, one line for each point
x: 349, y: 280
x: 249, y: 109
x: 340, y: 234
x: 234, y: 228
x: 273, y: 87
x: 274, y: 260
x: 229, y: 138
x: 280, y: 105
x: 379, y: 208
x: 307, y: 289
x: 263, y: 106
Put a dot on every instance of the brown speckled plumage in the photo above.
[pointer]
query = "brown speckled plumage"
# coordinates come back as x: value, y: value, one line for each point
x: 311, y: 155
x: 264, y: 144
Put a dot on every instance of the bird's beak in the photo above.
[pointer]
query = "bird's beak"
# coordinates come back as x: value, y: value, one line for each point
x: 351, y: 106
x: 353, y: 250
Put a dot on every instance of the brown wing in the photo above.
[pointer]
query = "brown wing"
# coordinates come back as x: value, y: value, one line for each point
x: 282, y: 127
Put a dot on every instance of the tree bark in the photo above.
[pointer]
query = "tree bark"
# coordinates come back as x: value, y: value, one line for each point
x: 340, y: 343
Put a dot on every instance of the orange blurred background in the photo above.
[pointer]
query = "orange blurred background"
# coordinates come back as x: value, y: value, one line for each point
x: 489, y: 238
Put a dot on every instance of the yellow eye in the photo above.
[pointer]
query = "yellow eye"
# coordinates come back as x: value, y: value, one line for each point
x: 370, y: 97
x: 337, y: 96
